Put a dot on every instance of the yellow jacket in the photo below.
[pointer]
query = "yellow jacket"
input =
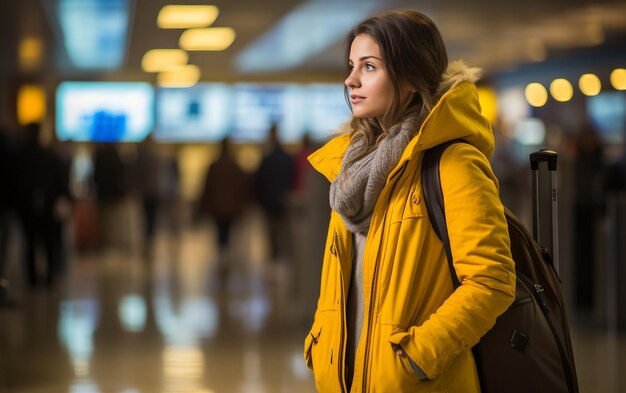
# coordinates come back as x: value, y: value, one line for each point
x: 408, y: 294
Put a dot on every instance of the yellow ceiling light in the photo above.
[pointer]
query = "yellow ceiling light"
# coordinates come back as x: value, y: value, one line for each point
x: 618, y: 79
x: 212, y: 38
x: 183, y: 76
x: 561, y: 90
x: 589, y: 84
x: 30, y: 52
x: 31, y: 104
x: 536, y: 94
x: 186, y: 16
x: 156, y: 60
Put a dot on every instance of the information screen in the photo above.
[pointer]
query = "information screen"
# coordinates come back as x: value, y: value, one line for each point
x: 199, y: 113
x: 258, y: 107
x: 104, y: 111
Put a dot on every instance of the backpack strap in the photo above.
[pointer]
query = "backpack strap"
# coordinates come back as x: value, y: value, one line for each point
x: 433, y: 195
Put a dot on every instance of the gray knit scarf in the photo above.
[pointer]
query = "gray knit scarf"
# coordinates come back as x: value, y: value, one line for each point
x: 354, y: 192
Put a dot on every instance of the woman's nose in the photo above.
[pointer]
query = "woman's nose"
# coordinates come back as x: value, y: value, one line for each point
x: 351, y: 81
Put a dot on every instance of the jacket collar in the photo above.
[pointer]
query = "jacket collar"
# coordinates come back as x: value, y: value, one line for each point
x: 327, y: 160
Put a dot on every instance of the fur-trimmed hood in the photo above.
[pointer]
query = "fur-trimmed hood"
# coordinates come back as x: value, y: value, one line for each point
x: 457, y: 115
x: 456, y: 73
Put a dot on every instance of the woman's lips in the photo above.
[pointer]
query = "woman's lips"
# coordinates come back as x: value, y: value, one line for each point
x: 354, y: 99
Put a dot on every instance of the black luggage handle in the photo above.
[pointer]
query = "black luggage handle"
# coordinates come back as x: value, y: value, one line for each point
x: 543, y: 155
x: 551, y: 240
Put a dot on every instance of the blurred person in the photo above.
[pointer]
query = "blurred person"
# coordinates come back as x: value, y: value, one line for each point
x: 7, y: 203
x: 150, y: 181
x: 303, y: 232
x: 614, y: 230
x: 589, y: 173
x: 615, y: 180
x: 64, y: 207
x: 224, y: 197
x: 300, y: 220
x: 40, y: 189
x: 388, y: 316
x: 302, y: 166
x: 273, y: 181
x: 112, y: 184
x: 84, y: 204
x: 172, y: 192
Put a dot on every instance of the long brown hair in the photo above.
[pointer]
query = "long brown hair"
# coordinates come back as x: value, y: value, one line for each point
x: 414, y: 57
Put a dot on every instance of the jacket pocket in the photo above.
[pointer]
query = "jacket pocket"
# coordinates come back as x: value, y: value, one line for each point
x: 390, y: 372
x: 321, y: 350
x: 412, y: 207
x: 311, y: 340
x: 408, y: 368
x: 412, y: 365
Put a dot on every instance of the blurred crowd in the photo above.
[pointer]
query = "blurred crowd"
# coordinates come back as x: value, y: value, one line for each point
x: 45, y: 209
x: 55, y: 203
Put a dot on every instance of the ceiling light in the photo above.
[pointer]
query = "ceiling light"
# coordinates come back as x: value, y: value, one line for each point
x: 589, y: 85
x: 183, y: 76
x: 31, y: 104
x: 30, y: 52
x: 186, y: 16
x: 157, y: 60
x: 212, y: 38
x: 618, y: 79
x: 561, y: 90
x: 536, y: 94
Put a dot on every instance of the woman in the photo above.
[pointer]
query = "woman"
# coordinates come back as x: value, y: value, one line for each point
x: 388, y: 319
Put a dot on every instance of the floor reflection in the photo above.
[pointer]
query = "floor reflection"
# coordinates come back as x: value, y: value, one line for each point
x: 174, y: 323
x: 121, y: 323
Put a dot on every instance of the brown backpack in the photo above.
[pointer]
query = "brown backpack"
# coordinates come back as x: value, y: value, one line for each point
x: 529, y: 349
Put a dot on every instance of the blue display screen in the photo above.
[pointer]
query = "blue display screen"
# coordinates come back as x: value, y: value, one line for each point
x: 246, y: 111
x: 104, y: 111
x: 199, y: 113
x: 206, y: 112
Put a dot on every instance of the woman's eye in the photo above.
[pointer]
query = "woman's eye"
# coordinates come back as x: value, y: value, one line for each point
x: 369, y: 67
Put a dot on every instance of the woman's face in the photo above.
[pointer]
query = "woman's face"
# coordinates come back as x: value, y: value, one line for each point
x: 370, y: 89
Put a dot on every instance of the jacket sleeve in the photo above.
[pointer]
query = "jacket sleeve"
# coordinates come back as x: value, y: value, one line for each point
x: 480, y: 246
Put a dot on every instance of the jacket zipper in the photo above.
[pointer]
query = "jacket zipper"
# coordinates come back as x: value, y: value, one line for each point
x: 374, y: 282
x: 537, y: 291
x: 521, y: 302
x: 340, y: 359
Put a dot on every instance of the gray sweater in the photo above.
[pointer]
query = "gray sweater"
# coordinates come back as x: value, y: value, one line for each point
x: 354, y: 311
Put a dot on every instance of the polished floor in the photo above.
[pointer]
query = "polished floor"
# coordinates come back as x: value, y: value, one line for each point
x: 176, y: 321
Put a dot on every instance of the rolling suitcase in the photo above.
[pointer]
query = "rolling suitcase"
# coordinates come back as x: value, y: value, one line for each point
x: 529, y: 348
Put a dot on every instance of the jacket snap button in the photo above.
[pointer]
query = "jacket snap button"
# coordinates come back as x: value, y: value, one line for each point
x: 415, y: 199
